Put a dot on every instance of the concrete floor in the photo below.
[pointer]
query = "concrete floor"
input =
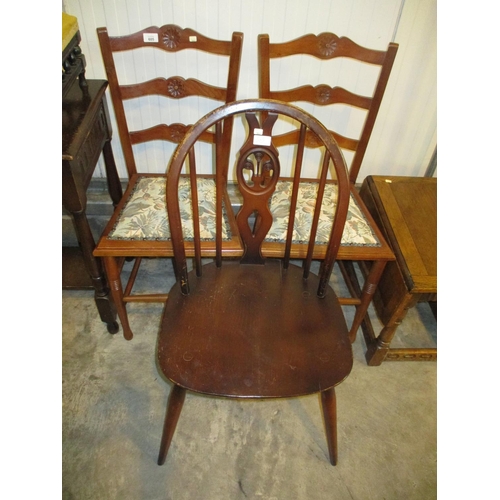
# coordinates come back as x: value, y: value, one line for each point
x: 114, y: 399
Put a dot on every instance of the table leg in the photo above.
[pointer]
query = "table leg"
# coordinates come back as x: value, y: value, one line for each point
x: 377, y: 351
x: 105, y: 306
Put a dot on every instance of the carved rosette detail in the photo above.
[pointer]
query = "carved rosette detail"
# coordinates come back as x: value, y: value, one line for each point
x: 323, y: 92
x: 175, y: 87
x: 177, y: 132
x: 327, y: 44
x: 171, y: 37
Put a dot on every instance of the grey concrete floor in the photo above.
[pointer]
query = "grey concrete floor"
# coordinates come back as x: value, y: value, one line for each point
x: 114, y: 399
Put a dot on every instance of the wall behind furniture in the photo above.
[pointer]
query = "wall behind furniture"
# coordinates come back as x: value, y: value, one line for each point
x: 404, y: 136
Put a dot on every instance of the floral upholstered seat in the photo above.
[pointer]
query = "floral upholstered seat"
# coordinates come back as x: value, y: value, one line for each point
x: 144, y: 216
x: 357, y: 231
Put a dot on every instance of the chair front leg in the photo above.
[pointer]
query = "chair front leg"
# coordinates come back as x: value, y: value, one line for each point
x: 115, y: 286
x: 329, y: 406
x: 174, y: 407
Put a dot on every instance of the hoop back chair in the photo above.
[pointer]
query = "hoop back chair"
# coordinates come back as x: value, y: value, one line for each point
x: 255, y: 327
x: 362, y: 241
x: 139, y: 225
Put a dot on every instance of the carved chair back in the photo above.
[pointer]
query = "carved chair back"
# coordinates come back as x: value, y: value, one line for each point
x: 327, y: 46
x: 170, y: 39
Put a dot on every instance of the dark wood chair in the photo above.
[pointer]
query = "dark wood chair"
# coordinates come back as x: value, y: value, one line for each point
x: 255, y: 327
x: 139, y: 226
x: 362, y: 240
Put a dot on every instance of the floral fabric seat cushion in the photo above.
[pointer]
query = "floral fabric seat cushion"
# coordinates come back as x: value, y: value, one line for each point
x: 357, y: 231
x: 144, y: 216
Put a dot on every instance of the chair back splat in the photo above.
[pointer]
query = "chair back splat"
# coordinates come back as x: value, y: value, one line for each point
x: 261, y: 164
x: 255, y: 326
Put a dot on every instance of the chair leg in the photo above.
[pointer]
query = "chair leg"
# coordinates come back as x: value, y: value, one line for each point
x: 329, y: 406
x: 115, y: 286
x: 174, y: 407
x: 369, y: 289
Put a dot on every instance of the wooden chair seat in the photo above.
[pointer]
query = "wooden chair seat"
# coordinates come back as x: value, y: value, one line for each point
x: 274, y: 335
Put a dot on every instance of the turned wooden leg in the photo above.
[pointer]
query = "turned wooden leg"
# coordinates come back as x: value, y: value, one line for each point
x: 174, y: 407
x: 329, y: 406
x: 115, y: 285
x: 369, y: 289
x: 105, y: 306
x: 377, y: 350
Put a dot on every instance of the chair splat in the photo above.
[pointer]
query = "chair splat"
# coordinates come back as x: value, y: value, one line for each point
x: 257, y: 172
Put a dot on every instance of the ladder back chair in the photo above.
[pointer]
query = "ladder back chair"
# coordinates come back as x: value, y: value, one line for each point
x: 255, y: 327
x: 362, y: 240
x: 139, y: 226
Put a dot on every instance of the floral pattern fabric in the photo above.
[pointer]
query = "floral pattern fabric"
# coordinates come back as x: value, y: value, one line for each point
x: 144, y: 216
x: 357, y: 231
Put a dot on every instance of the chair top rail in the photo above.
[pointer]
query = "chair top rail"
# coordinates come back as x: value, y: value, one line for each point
x: 325, y: 46
x: 171, y: 38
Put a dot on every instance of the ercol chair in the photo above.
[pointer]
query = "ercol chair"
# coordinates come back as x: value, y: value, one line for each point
x: 255, y: 327
x: 362, y: 241
x: 139, y: 227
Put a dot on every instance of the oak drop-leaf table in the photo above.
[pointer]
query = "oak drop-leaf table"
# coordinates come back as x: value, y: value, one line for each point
x: 405, y: 209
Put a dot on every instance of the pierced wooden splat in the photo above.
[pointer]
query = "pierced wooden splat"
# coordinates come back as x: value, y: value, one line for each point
x: 257, y: 172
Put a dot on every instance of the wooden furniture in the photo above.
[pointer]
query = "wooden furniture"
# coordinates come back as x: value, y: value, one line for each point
x: 362, y: 239
x: 86, y: 134
x: 139, y: 226
x: 406, y: 210
x: 255, y: 327
x: 73, y: 60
